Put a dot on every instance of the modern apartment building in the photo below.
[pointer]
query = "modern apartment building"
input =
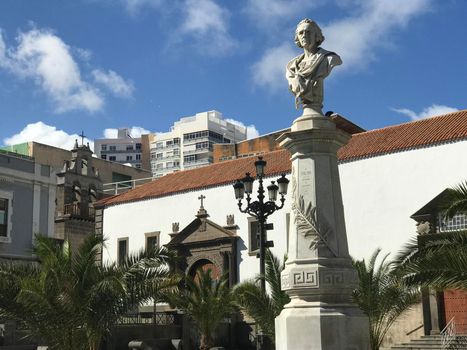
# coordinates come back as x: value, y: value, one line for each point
x: 123, y: 149
x: 189, y: 143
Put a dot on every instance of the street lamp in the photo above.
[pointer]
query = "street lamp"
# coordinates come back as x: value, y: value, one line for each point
x: 261, y: 209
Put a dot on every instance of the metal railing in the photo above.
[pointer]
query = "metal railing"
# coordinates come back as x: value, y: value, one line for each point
x: 203, y: 161
x: 448, y: 334
x: 78, y: 210
x: 198, y: 150
x: 123, y: 186
x: 158, y: 318
x: 16, y: 155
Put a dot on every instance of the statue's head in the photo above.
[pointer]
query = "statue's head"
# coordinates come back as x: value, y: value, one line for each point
x: 313, y: 27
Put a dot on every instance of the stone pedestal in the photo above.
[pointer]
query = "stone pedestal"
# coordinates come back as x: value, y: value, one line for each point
x: 319, y: 277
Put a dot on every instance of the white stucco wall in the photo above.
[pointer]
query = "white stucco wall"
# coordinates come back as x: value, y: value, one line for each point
x: 133, y: 220
x: 379, y: 195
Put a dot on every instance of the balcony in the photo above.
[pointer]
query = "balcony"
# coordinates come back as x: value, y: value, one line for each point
x: 198, y: 162
x: 176, y: 156
x: 79, y: 211
x: 198, y: 150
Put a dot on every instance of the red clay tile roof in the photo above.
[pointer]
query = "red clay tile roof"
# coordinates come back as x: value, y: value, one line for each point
x: 216, y: 174
x: 446, y: 128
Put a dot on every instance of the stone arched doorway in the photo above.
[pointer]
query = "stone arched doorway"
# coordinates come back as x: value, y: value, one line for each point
x: 205, y: 265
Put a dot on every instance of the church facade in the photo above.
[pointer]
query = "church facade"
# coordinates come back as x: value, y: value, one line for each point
x: 386, y: 176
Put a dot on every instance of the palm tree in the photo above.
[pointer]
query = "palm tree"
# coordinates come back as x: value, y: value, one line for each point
x: 381, y: 296
x: 259, y: 305
x: 456, y: 200
x: 207, y: 301
x: 70, y: 301
x: 439, y: 262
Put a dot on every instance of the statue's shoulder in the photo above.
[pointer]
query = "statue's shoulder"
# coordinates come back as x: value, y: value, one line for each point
x: 295, y: 59
x: 324, y: 52
x: 333, y: 58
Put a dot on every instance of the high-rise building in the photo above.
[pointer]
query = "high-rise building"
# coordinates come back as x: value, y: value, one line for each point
x: 123, y: 149
x: 189, y: 143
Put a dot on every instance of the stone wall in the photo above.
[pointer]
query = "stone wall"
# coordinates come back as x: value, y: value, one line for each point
x: 262, y: 144
x: 407, y: 327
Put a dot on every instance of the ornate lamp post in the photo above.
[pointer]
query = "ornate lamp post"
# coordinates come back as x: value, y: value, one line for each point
x: 261, y: 209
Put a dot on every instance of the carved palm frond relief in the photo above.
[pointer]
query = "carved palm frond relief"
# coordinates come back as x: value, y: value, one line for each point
x: 310, y: 223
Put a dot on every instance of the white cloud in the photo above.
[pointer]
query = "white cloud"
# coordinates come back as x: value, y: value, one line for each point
x: 135, y: 132
x: 427, y: 112
x: 114, y: 82
x: 269, y: 13
x: 207, y: 23
x: 134, y: 6
x: 251, y: 131
x: 46, y: 59
x: 47, y: 134
x: 356, y: 37
x: 269, y: 71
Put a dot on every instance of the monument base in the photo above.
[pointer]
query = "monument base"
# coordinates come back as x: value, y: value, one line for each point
x: 316, y: 326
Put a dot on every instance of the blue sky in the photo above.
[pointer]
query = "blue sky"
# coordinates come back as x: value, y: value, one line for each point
x: 95, y: 65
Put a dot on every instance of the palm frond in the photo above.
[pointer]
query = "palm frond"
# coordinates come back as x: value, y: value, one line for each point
x: 440, y: 262
x: 310, y: 223
x: 381, y: 295
x: 455, y: 201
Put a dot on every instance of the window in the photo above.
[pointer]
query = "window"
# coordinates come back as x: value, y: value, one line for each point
x: 138, y: 166
x: 104, y: 156
x: 6, y: 200
x: 195, y: 135
x: 159, y: 145
x: 129, y: 147
x: 113, y: 148
x: 129, y: 157
x: 152, y: 240
x: 169, y: 143
x: 253, y: 236
x: 204, y: 145
x: 84, y: 167
x: 3, y: 217
x: 169, y: 164
x: 456, y: 223
x: 176, y: 141
x: 159, y: 155
x: 112, y: 158
x: 138, y: 157
x: 122, y: 252
x: 176, y: 152
x: 76, y: 192
x: 160, y: 166
x: 138, y: 146
x: 92, y: 195
x: 190, y: 158
x: 103, y: 147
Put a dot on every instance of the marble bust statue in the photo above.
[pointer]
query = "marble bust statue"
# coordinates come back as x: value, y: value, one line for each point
x: 306, y: 72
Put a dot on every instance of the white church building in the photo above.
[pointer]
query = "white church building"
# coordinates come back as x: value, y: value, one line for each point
x: 386, y: 175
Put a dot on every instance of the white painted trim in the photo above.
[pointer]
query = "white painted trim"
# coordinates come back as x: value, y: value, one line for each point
x: 36, y: 210
x: 51, y: 213
x: 8, y: 195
